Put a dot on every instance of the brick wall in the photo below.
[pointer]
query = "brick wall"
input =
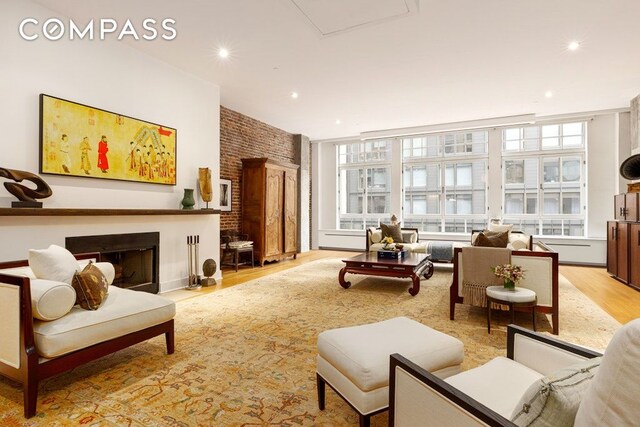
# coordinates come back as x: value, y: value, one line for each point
x: 243, y: 137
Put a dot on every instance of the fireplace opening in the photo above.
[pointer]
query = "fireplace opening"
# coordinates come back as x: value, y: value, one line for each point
x: 134, y: 257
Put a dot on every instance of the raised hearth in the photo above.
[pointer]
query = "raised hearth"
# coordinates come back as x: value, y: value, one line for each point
x: 135, y: 257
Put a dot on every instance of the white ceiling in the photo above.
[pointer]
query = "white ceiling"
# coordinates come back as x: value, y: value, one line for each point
x: 447, y: 61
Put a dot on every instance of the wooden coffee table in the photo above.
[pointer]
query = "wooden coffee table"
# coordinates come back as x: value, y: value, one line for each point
x: 413, y: 265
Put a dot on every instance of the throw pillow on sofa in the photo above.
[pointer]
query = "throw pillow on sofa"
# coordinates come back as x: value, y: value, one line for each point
x: 492, y: 239
x: 91, y: 287
x: 392, y: 231
x: 54, y: 263
x: 51, y: 300
x: 554, y: 399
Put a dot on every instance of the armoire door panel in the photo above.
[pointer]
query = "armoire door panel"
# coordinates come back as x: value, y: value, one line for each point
x: 273, y: 219
x: 619, y: 204
x: 290, y: 212
x: 631, y: 207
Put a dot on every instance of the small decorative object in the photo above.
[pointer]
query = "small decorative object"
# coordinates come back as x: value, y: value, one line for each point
x: 188, y: 200
x: 225, y: 195
x: 83, y: 141
x: 209, y: 268
x: 387, y: 242
x: 204, y: 181
x: 193, y: 246
x: 394, y: 219
x: 510, y: 273
x: 26, y: 195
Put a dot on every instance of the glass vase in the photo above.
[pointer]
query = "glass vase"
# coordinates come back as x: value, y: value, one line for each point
x: 509, y: 284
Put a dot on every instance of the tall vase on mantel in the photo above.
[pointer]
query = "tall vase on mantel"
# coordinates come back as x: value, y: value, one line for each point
x: 187, y: 200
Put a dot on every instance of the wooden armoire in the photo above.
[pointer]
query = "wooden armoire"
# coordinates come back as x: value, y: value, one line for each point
x: 270, y: 208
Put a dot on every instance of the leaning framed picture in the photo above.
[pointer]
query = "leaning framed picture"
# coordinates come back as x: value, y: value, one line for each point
x: 225, y: 195
x: 83, y: 141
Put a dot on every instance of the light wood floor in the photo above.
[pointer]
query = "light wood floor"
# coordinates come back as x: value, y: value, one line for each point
x: 617, y: 299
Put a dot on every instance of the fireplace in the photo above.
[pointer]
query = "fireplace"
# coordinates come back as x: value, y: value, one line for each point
x: 135, y: 257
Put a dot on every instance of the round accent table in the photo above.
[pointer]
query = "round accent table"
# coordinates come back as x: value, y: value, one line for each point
x: 516, y: 297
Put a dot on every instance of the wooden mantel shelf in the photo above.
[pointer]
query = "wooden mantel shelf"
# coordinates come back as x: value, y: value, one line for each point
x: 101, y: 212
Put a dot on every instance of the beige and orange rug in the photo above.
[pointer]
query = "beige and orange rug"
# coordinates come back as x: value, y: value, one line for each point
x: 245, y: 356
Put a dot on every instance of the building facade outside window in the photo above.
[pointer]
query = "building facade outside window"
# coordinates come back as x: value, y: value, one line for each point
x: 445, y: 181
x: 364, y: 183
x: 544, y: 178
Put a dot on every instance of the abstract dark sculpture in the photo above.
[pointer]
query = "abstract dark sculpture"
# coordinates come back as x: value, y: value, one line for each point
x: 26, y: 195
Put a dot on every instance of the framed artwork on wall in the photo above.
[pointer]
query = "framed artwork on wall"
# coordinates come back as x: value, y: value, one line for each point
x: 83, y: 141
x: 225, y: 195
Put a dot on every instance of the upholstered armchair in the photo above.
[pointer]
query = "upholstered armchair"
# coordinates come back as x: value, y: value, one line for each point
x: 542, y: 379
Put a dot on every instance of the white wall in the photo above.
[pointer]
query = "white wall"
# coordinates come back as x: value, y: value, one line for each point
x: 608, y: 144
x: 113, y: 76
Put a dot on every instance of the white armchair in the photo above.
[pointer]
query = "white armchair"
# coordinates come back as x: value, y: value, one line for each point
x: 542, y: 380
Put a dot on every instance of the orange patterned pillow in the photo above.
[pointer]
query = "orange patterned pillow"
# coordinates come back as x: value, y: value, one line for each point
x: 91, y: 287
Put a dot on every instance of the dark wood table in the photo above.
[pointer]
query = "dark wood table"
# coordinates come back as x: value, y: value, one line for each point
x: 413, y: 265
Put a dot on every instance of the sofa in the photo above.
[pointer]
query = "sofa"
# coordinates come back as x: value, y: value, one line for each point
x: 541, y: 266
x: 541, y: 381
x: 44, y: 334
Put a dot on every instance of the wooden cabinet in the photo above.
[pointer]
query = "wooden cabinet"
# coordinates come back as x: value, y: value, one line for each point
x: 623, y: 240
x: 612, y: 248
x: 626, y: 207
x: 269, y: 208
x: 634, y: 255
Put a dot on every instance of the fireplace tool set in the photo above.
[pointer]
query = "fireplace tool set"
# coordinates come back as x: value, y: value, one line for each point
x: 193, y: 246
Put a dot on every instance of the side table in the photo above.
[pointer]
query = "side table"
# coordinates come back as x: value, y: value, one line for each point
x: 516, y: 297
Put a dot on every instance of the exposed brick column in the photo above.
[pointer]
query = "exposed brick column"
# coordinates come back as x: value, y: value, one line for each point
x: 244, y: 137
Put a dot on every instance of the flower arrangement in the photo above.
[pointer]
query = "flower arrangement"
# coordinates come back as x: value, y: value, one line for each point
x: 510, y: 273
x: 387, y: 241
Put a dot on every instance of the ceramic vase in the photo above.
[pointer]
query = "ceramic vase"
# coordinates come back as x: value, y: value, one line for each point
x: 187, y: 200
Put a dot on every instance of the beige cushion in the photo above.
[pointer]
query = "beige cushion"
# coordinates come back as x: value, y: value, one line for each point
x: 375, y: 235
x: 499, y: 227
x: 124, y: 311
x: 54, y: 263
x: 518, y: 245
x: 409, y: 236
x: 498, y: 384
x: 361, y: 353
x: 554, y: 400
x: 612, y: 399
x: 51, y: 300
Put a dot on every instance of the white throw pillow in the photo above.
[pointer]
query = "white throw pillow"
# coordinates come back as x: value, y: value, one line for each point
x: 500, y: 227
x: 54, y: 263
x: 518, y: 245
x: 554, y: 400
x: 50, y: 300
x: 612, y: 399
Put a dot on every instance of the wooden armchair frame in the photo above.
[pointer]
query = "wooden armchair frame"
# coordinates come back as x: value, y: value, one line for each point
x: 33, y: 369
x: 460, y: 403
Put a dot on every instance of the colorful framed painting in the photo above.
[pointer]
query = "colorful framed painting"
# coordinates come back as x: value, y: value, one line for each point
x: 83, y: 141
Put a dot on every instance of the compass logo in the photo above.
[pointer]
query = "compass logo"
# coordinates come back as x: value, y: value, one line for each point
x: 55, y: 29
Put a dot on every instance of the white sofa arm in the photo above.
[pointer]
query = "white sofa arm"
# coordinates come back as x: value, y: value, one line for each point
x: 419, y: 398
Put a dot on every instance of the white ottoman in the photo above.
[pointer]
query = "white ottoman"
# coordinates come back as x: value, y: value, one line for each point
x: 354, y: 361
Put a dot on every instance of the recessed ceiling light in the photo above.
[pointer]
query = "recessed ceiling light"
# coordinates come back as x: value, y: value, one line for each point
x: 223, y: 53
x: 548, y: 94
x: 338, y: 121
x: 294, y: 95
x: 574, y: 45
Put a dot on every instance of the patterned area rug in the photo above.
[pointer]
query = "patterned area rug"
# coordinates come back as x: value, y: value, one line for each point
x: 245, y: 356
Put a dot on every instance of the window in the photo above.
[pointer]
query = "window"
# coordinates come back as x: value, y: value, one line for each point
x: 364, y: 193
x: 444, y: 180
x: 544, y: 178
